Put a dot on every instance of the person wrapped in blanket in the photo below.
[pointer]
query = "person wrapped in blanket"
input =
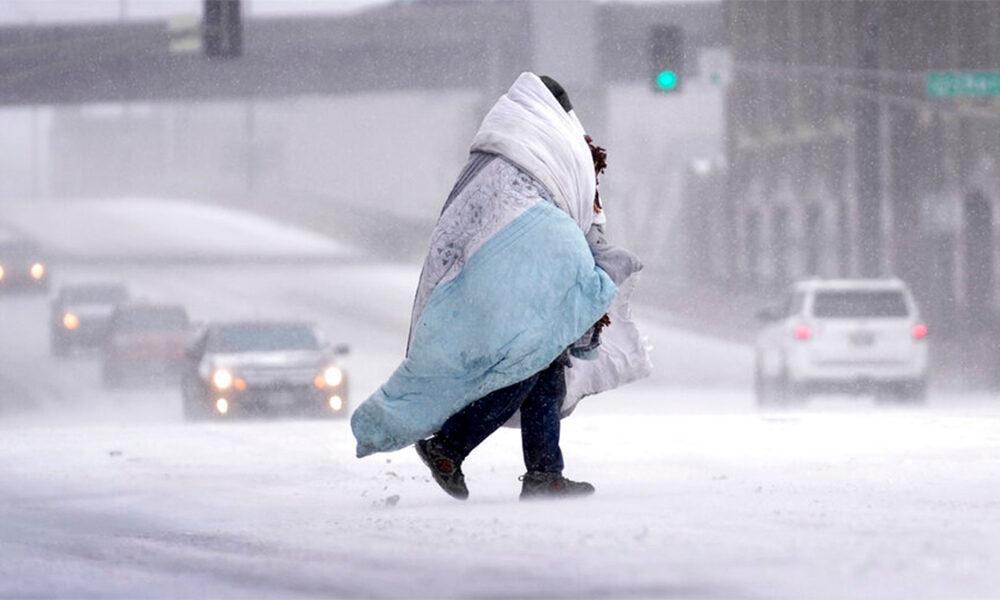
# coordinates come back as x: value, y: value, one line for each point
x: 518, y: 284
x: 540, y: 398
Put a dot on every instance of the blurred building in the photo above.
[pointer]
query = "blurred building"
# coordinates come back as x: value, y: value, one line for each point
x: 841, y: 160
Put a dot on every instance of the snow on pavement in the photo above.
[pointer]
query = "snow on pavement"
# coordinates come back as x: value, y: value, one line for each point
x: 890, y: 504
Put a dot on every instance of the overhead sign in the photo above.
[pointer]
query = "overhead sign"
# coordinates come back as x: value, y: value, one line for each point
x: 950, y: 84
x: 184, y: 34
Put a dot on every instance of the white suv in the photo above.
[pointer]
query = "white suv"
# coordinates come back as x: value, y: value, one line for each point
x: 850, y: 335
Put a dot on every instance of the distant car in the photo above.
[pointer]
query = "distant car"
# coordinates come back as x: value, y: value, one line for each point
x: 858, y: 336
x: 145, y: 341
x: 22, y: 266
x: 81, y: 314
x: 263, y: 368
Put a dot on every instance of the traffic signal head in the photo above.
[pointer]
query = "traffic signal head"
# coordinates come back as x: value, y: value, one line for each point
x: 222, y: 29
x: 666, y: 81
x: 666, y: 57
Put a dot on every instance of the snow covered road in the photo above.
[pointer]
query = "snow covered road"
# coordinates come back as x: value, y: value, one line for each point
x: 699, y: 495
x: 890, y: 505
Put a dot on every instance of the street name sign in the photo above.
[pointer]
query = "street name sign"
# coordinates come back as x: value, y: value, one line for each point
x: 951, y: 84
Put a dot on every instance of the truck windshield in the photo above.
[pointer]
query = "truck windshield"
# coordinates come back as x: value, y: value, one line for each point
x: 264, y: 338
x: 860, y: 304
x: 15, y: 249
x: 140, y: 320
x: 103, y: 294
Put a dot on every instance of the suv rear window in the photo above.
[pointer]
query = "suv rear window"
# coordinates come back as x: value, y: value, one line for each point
x: 860, y: 304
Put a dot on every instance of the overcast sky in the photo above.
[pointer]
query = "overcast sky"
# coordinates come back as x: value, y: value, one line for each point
x: 50, y: 11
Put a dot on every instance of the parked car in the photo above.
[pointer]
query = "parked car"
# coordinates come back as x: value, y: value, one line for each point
x: 263, y: 368
x: 81, y: 314
x: 855, y: 336
x: 22, y: 266
x: 145, y: 341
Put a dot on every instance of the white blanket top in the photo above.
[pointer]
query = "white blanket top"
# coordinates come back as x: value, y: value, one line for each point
x: 529, y: 127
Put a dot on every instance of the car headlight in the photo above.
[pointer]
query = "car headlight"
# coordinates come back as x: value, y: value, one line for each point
x: 37, y: 271
x: 1, y: 273
x: 333, y: 376
x: 71, y: 321
x: 222, y: 379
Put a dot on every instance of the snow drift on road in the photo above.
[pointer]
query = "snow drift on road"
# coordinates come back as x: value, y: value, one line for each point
x: 143, y: 228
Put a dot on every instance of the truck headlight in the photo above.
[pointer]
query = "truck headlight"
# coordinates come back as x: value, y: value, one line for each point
x: 37, y: 271
x: 333, y: 376
x: 222, y: 379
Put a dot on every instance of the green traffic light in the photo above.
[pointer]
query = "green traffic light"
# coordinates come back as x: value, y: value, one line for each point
x: 666, y: 80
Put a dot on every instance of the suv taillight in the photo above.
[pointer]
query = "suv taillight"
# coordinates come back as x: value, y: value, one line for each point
x: 802, y: 332
x: 919, y: 331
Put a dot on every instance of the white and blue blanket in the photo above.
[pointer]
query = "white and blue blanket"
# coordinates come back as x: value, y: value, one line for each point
x: 509, y: 281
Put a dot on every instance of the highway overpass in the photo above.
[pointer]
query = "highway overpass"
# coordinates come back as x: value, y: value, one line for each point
x: 420, y: 45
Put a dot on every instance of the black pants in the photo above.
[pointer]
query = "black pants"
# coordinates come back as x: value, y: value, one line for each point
x: 539, y: 398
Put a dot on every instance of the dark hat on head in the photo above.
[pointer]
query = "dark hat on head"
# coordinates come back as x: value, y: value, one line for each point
x: 558, y: 91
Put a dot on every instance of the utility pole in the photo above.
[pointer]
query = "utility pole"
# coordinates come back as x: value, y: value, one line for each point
x: 35, y: 167
x: 868, y: 137
x: 33, y: 123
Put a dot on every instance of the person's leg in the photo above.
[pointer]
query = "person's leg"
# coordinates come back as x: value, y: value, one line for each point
x: 443, y: 454
x: 540, y: 413
x: 540, y: 424
x: 470, y: 426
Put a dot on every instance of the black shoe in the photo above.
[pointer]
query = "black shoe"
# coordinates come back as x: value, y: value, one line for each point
x: 447, y: 472
x: 536, y: 484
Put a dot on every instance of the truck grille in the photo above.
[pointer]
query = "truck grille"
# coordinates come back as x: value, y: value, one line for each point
x: 271, y: 377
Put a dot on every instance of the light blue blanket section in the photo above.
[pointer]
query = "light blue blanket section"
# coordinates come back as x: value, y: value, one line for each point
x: 527, y: 294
